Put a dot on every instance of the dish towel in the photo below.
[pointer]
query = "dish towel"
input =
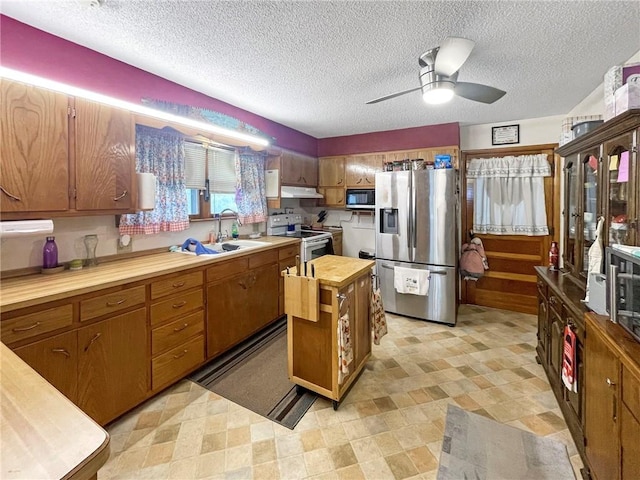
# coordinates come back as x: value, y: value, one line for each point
x: 378, y: 318
x: 345, y: 349
x: 411, y: 280
x: 193, y: 245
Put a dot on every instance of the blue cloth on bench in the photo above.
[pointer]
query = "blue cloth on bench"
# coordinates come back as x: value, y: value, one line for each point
x: 193, y: 245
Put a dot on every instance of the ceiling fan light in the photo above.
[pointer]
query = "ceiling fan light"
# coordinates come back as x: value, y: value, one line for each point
x: 436, y: 94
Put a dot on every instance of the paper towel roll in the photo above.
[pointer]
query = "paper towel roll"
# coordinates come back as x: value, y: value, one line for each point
x: 146, y: 191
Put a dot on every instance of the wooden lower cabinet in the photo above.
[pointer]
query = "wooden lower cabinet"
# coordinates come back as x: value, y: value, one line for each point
x: 613, y: 401
x: 56, y: 359
x: 337, y: 243
x: 112, y: 365
x: 241, y: 301
x: 559, y: 306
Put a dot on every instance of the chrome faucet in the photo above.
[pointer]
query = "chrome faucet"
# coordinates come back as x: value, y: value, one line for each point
x: 219, y: 236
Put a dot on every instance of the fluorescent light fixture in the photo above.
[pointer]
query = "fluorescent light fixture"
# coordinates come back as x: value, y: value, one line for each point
x: 141, y: 109
x: 437, y: 93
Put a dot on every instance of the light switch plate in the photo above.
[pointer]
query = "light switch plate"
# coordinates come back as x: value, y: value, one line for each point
x: 125, y: 244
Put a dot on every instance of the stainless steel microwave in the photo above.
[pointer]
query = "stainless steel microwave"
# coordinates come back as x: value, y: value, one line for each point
x: 623, y: 290
x: 360, y: 198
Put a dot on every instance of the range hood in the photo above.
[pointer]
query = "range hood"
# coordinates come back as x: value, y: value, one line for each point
x: 299, y: 192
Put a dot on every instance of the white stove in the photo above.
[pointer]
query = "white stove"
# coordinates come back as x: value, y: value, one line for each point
x: 314, y: 243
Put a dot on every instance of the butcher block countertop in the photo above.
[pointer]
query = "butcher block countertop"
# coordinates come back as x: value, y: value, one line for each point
x: 338, y: 271
x: 38, y: 289
x: 44, y: 435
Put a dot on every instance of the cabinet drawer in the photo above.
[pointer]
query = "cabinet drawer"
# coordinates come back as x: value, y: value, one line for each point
x: 263, y: 258
x: 176, y: 332
x: 631, y: 391
x: 226, y: 269
x: 37, y: 323
x: 181, y: 283
x: 112, y: 302
x: 175, y: 306
x: 542, y: 288
x: 555, y: 304
x: 290, y: 251
x: 177, y: 362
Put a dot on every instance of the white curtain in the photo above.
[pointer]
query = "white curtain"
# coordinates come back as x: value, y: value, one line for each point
x: 509, y: 194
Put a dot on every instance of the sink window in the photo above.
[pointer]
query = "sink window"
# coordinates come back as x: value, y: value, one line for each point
x: 210, y: 179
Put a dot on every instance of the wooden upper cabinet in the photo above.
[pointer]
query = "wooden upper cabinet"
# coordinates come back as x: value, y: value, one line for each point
x: 298, y: 170
x: 104, y: 157
x: 34, y: 149
x: 331, y: 172
x: 361, y: 169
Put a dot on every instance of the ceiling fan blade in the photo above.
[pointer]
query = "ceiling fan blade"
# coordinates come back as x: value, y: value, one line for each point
x: 478, y: 92
x: 453, y: 52
x: 393, y: 95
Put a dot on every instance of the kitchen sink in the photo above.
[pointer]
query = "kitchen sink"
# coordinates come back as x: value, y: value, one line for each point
x: 229, y: 247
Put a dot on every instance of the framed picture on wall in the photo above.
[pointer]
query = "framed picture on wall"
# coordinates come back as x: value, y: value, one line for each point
x: 505, y: 135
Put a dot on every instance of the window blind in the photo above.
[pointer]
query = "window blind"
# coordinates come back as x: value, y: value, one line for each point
x: 216, y: 164
x: 195, y: 158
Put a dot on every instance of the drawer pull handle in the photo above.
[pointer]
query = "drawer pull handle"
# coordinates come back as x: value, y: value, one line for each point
x: 116, y: 303
x: 24, y: 329
x: 178, y: 285
x: 179, y: 329
x: 610, y: 383
x: 11, y: 196
x: 180, y: 355
x: 120, y: 197
x: 243, y: 285
x: 62, y: 351
x: 180, y: 304
x: 95, y: 337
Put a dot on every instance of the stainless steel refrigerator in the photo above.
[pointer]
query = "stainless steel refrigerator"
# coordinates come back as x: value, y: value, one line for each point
x: 416, y: 219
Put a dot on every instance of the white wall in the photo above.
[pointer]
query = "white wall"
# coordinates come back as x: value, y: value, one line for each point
x: 533, y: 131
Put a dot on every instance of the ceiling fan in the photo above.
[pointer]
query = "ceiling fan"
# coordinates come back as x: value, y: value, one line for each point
x: 439, y: 75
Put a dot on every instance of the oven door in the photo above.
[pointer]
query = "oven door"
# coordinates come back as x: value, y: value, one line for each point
x: 314, y: 248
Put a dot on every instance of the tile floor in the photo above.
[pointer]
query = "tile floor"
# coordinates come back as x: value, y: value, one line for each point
x: 389, y: 426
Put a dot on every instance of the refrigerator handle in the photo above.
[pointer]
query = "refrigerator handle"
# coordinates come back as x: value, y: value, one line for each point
x: 414, y: 227
x: 410, y: 217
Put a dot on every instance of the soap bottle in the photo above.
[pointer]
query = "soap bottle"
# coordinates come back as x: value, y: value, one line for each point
x: 234, y: 231
x: 50, y: 253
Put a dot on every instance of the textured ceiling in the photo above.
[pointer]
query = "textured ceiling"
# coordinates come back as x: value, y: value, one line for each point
x: 312, y: 65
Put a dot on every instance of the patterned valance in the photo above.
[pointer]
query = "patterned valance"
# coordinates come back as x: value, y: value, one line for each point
x: 509, y: 167
x: 206, y: 116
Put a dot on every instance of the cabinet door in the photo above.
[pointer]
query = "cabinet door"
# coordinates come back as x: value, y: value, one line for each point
x: 333, y: 197
x: 630, y: 451
x: 556, y: 340
x: 589, y: 205
x: 621, y: 190
x: 56, y: 360
x: 113, y: 365
x: 601, y: 429
x: 543, y: 333
x: 576, y: 399
x: 331, y: 172
x: 337, y: 243
x: 299, y: 170
x: 34, y: 149
x: 362, y: 330
x: 227, y: 302
x: 571, y: 254
x: 263, y: 294
x: 105, y: 166
x: 361, y: 170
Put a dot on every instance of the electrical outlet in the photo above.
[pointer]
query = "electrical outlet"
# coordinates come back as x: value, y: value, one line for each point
x: 125, y: 244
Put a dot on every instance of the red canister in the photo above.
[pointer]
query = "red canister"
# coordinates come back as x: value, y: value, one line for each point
x: 554, y: 256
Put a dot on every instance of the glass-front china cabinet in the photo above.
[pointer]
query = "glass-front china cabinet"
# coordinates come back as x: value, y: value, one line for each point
x: 602, y: 179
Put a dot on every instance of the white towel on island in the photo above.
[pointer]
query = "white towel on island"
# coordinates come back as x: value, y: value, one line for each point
x: 411, y: 280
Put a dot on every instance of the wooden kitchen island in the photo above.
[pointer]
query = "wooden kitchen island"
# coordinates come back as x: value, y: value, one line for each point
x: 341, y: 286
